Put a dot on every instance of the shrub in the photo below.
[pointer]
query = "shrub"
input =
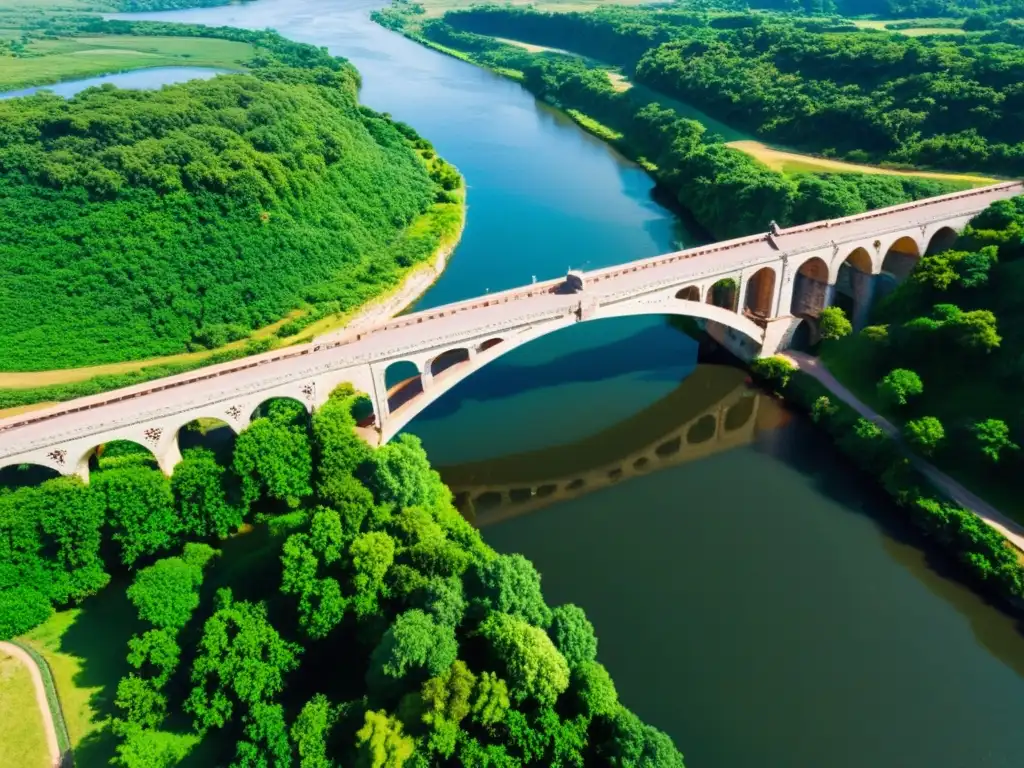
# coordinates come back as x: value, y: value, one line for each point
x: 833, y: 323
x: 774, y: 370
x: 21, y: 609
x: 992, y: 437
x: 899, y: 385
x: 925, y: 434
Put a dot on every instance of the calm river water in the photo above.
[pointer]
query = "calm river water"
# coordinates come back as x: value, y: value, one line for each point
x: 747, y: 600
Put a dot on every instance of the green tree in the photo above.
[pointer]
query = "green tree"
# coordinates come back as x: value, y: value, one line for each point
x: 400, y: 476
x: 926, y: 434
x: 21, y: 609
x: 413, y: 648
x: 273, y: 460
x: 166, y: 593
x: 266, y: 738
x: 311, y: 730
x: 140, y: 510
x: 992, y: 437
x: 156, y: 654
x: 71, y: 516
x: 490, y: 701
x: 834, y: 324
x: 595, y: 690
x: 776, y: 370
x: 510, y: 584
x: 147, y: 748
x: 822, y: 409
x: 381, y: 743
x: 241, y: 659
x: 535, y: 667
x: 573, y: 635
x: 200, y: 493
x: 976, y: 331
x: 899, y: 386
x: 141, y: 701
x: 635, y: 745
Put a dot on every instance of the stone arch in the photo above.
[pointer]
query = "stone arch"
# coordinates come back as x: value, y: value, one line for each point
x: 15, y: 476
x: 114, y: 453
x: 760, y: 292
x: 739, y: 413
x: 490, y: 343
x: 209, y: 433
x: 669, y: 447
x: 689, y: 293
x: 723, y: 294
x: 702, y: 430
x: 448, y: 360
x: 811, y: 291
x: 277, y: 405
x: 943, y: 240
x: 403, y: 381
x: 854, y: 291
x: 901, y: 257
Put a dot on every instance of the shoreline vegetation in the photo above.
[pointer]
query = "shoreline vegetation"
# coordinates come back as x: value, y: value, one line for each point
x: 201, y: 616
x: 415, y: 257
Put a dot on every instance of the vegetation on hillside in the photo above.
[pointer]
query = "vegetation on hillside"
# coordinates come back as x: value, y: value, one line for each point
x: 944, y: 102
x: 142, y: 223
x: 376, y: 628
x: 727, y: 192
x: 958, y: 309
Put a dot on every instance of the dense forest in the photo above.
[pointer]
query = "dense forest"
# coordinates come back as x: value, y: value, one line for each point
x: 371, y: 626
x: 862, y: 94
x: 141, y: 223
x: 727, y: 192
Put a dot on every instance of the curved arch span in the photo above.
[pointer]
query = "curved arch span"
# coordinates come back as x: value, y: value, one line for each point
x: 412, y: 406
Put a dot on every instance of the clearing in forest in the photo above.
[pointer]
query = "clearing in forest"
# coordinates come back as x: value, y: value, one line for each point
x: 22, y: 741
x: 793, y: 162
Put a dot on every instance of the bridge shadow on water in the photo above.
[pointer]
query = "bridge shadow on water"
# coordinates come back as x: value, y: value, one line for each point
x: 657, y: 351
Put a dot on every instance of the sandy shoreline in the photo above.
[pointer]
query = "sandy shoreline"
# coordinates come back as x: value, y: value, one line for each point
x: 415, y: 284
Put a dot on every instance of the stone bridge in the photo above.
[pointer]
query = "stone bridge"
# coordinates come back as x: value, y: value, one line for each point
x: 756, y: 289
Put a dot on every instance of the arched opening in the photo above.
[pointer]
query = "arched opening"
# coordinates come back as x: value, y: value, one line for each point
x: 487, y: 500
x: 760, y: 292
x: 641, y: 463
x: 576, y: 484
x: 520, y: 495
x: 702, y: 431
x: 615, y: 474
x: 723, y: 294
x: 403, y: 382
x: 208, y: 434
x: 448, y: 360
x: 25, y: 475
x: 805, y: 336
x: 123, y: 453
x: 546, y: 490
x: 943, y: 240
x: 689, y: 293
x: 282, y: 410
x: 669, y: 447
x: 739, y: 414
x: 489, y: 344
x: 901, y: 258
x: 810, y: 288
x: 855, y: 285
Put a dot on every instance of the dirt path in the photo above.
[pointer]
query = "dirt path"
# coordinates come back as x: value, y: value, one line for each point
x: 44, y: 707
x: 954, y: 490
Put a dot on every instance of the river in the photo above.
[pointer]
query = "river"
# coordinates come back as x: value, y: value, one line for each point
x: 749, y: 596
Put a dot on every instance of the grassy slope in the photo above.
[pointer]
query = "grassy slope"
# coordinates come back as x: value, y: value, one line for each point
x: 73, y: 58
x: 22, y: 741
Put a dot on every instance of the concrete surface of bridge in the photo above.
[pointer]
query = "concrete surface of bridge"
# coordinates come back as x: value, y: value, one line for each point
x: 756, y: 290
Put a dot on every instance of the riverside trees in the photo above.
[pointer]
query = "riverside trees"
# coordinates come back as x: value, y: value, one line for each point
x: 381, y: 630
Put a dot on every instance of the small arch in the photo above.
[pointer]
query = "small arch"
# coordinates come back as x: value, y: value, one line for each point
x: 543, y: 491
x: 810, y: 288
x: 689, y: 293
x: 283, y: 410
x: 211, y: 434
x: 943, y: 240
x: 615, y: 474
x: 119, y: 453
x: 17, y: 476
x: 854, y: 286
x: 760, y: 293
x: 520, y: 495
x: 641, y: 463
x: 489, y: 344
x: 723, y: 294
x: 669, y: 447
x: 403, y: 382
x: 487, y: 500
x: 805, y: 336
x: 702, y: 430
x: 739, y: 414
x: 859, y: 259
x: 901, y: 258
x: 576, y: 484
x: 447, y: 360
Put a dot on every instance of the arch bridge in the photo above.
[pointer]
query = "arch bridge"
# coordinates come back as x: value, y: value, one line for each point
x: 759, y: 288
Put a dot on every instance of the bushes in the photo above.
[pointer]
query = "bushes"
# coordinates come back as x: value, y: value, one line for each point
x: 899, y: 386
x: 21, y: 609
x: 774, y: 371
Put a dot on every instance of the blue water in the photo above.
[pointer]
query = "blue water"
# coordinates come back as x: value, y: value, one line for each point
x: 138, y: 79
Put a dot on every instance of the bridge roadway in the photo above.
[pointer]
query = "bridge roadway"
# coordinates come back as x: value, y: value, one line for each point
x: 63, y: 437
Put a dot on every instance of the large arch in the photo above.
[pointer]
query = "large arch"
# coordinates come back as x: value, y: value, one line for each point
x: 943, y: 240
x: 689, y: 293
x: 415, y: 399
x: 854, y: 292
x: 14, y: 476
x: 760, y: 293
x: 901, y: 258
x: 810, y: 288
x: 723, y: 294
x: 449, y: 359
x: 404, y: 382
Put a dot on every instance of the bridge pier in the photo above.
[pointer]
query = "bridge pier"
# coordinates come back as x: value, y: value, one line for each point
x: 169, y: 457
x: 863, y: 286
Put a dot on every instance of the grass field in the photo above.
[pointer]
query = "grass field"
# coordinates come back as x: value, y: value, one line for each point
x: 22, y: 741
x: 925, y: 26
x: 436, y: 8
x: 54, y: 61
x: 793, y: 162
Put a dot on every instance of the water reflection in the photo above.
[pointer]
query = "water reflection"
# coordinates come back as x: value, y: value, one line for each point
x: 711, y: 411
